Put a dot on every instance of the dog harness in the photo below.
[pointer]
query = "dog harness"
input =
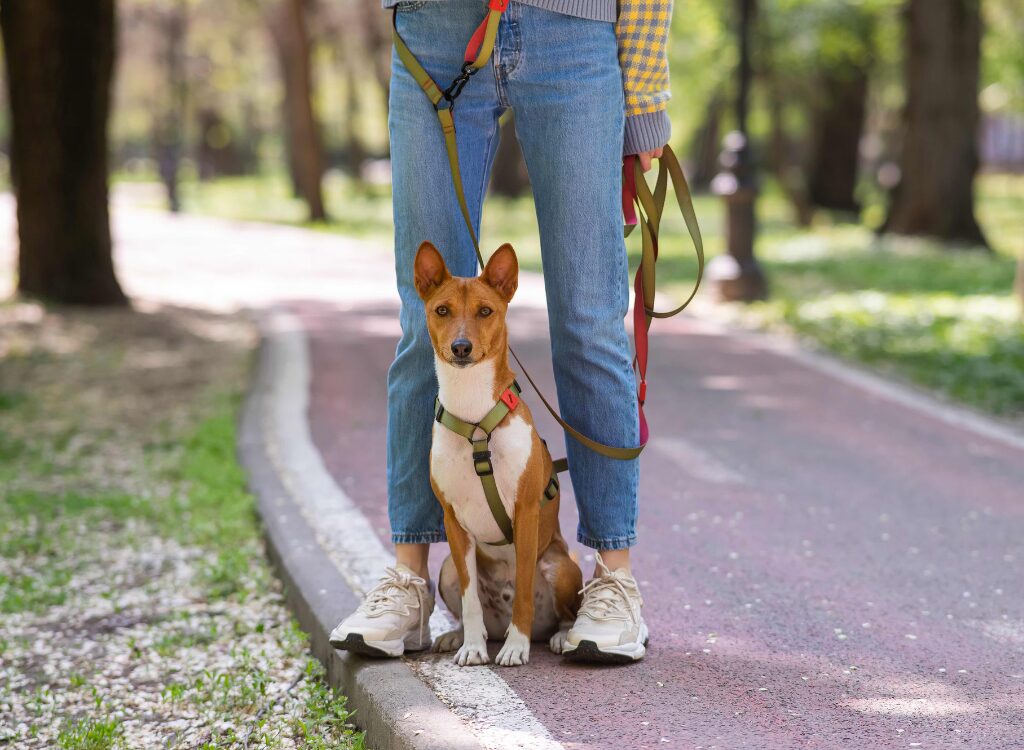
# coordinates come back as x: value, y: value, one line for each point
x: 482, y: 465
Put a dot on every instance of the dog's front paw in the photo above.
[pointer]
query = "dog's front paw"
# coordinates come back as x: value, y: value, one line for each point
x: 516, y: 650
x: 448, y: 642
x: 558, y: 641
x: 471, y: 654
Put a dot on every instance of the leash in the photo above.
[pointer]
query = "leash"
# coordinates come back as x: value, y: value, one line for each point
x: 506, y: 403
x: 640, y: 206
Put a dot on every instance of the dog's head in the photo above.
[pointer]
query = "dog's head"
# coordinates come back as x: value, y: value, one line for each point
x: 466, y: 316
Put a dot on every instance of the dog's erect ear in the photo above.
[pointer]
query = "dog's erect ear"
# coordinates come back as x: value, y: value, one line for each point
x: 502, y: 272
x: 429, y: 270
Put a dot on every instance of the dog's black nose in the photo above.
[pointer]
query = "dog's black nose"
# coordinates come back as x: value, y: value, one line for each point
x: 461, y: 348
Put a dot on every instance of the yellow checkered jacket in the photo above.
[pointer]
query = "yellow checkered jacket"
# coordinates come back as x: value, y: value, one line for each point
x: 642, y: 29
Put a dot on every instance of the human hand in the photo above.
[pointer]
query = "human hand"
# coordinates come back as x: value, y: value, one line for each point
x: 646, y: 156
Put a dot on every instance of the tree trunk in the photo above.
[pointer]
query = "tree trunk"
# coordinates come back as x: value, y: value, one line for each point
x: 376, y: 38
x: 305, y: 151
x: 838, y: 123
x: 783, y: 156
x: 60, y: 60
x: 170, y: 121
x: 706, y: 145
x: 508, y: 176
x: 355, y: 153
x: 939, y: 158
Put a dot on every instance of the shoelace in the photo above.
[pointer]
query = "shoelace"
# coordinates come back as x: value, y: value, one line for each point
x: 391, y: 594
x: 603, y: 597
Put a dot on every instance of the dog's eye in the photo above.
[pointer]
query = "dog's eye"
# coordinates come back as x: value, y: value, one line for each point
x: 484, y: 312
x: 441, y: 310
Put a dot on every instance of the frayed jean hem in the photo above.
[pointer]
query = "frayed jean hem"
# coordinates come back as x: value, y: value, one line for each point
x: 425, y: 537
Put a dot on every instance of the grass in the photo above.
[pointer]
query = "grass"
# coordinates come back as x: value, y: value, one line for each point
x: 90, y: 734
x: 127, y: 533
x: 216, y: 512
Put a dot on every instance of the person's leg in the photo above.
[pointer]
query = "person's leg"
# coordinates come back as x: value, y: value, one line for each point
x: 565, y: 87
x: 394, y: 616
x: 566, y: 91
x: 425, y: 208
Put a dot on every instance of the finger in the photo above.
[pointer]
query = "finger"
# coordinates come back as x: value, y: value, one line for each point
x: 645, y: 161
x: 657, y: 152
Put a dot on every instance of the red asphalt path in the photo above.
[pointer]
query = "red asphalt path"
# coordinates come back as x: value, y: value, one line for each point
x: 822, y: 567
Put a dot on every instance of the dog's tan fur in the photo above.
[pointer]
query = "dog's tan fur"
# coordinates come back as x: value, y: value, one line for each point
x: 539, y: 567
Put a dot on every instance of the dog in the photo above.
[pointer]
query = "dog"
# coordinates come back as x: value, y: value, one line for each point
x: 527, y: 590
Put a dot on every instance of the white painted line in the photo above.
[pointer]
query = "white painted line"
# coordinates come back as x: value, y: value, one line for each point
x: 953, y: 415
x: 477, y: 695
x: 696, y: 461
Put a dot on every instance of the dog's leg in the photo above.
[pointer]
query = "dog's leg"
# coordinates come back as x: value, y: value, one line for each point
x: 566, y: 582
x: 516, y: 650
x: 474, y: 644
x: 451, y: 593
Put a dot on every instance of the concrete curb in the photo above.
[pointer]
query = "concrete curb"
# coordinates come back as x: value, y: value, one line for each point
x: 397, y: 710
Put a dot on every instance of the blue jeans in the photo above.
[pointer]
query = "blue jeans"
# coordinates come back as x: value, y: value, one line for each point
x: 561, y: 77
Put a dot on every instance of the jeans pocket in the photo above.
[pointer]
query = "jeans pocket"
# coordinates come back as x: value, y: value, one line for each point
x: 408, y: 6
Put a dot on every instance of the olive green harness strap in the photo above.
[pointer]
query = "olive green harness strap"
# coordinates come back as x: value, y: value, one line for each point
x: 482, y: 455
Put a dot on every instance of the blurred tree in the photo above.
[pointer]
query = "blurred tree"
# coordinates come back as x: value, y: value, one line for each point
x: 703, y: 56
x: 939, y: 158
x: 837, y: 127
x: 508, y: 175
x: 355, y: 151
x: 838, y: 115
x: 1003, y: 54
x: 60, y: 60
x: 784, y: 152
x: 287, y: 23
x: 815, y: 62
x: 704, y: 146
x: 169, y: 123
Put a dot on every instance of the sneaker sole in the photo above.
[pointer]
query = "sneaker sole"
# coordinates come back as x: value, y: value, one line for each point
x: 356, y: 644
x: 588, y: 652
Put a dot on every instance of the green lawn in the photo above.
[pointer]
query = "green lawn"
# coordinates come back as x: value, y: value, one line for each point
x: 941, y: 317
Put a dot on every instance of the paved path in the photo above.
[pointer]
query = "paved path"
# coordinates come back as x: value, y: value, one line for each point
x: 823, y: 566
x: 827, y: 562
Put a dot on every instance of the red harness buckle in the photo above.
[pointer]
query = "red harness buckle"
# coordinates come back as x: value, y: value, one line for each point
x: 511, y: 400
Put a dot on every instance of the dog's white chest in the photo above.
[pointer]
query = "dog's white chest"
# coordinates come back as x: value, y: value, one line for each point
x: 451, y: 466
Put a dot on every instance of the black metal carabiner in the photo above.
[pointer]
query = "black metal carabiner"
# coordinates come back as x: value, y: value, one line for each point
x: 455, y: 88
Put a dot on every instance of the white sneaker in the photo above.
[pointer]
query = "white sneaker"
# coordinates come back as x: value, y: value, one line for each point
x: 609, y: 627
x: 393, y: 618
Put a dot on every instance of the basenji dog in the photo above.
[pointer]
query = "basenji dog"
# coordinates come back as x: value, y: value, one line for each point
x: 528, y: 589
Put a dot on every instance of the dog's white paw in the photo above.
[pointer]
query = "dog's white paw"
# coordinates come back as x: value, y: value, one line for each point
x: 558, y: 641
x: 471, y: 654
x: 516, y: 650
x: 448, y: 642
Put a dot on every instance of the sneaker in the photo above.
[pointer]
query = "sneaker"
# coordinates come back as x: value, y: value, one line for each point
x: 609, y: 628
x: 393, y: 618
